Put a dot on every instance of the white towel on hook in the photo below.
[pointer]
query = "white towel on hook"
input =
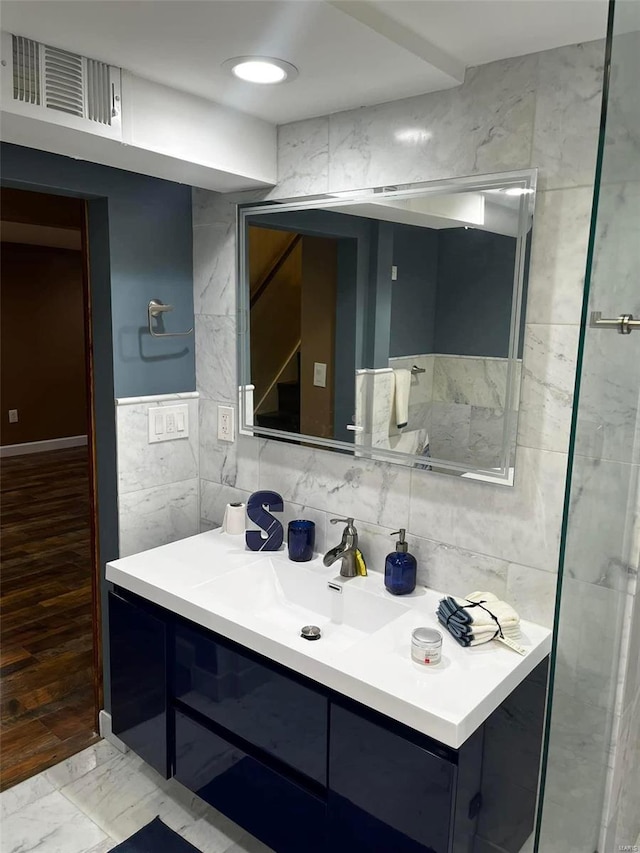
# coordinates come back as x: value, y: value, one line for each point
x: 403, y: 389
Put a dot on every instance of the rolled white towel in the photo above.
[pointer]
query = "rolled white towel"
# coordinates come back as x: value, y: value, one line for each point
x: 402, y: 390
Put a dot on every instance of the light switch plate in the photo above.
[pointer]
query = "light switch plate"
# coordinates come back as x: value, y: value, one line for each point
x: 168, y: 423
x: 319, y: 374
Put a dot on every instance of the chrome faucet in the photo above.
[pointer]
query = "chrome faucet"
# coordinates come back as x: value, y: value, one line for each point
x: 346, y: 550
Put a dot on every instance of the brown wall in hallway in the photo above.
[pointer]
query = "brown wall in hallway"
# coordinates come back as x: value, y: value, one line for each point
x: 43, y: 372
x: 318, y: 331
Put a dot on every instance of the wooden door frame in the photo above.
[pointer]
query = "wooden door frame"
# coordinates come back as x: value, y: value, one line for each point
x: 96, y: 603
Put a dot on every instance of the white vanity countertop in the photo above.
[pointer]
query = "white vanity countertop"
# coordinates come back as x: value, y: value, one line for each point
x: 213, y: 581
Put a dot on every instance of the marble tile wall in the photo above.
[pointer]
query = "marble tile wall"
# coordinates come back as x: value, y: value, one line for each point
x: 158, y: 484
x: 540, y: 110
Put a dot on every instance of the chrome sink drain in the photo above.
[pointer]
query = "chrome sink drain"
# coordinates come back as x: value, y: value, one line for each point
x: 311, y: 632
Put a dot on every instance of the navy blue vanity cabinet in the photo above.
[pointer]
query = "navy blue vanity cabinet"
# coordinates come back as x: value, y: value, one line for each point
x: 387, y: 792
x: 138, y: 650
x: 276, y: 810
x: 255, y: 700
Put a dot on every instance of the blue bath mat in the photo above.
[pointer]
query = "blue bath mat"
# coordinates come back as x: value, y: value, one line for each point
x: 155, y: 837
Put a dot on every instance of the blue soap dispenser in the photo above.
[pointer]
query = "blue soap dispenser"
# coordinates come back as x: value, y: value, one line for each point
x: 400, y: 567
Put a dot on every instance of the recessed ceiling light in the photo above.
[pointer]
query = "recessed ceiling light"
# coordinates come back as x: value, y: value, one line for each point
x: 264, y: 70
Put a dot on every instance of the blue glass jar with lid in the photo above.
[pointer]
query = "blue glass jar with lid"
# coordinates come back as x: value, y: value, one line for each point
x: 400, y: 567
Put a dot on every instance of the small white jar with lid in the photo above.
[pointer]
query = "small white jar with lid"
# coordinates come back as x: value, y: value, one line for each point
x: 426, y: 646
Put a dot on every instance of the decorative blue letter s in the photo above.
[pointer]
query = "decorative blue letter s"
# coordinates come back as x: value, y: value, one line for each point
x: 257, y: 509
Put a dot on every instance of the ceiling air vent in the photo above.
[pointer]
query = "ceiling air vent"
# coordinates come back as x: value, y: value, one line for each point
x: 84, y: 93
x: 26, y: 70
x: 63, y: 81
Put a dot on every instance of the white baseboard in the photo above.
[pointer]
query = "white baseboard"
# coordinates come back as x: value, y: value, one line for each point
x: 104, y: 723
x: 42, y: 446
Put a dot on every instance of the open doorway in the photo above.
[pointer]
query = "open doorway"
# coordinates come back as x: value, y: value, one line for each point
x: 50, y: 671
x: 293, y: 281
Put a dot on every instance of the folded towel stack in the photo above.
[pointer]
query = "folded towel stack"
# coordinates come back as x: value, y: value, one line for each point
x: 478, y: 618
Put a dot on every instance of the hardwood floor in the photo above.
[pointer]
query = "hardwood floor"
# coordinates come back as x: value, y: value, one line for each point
x: 46, y: 639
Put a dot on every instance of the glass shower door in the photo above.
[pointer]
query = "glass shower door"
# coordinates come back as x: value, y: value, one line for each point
x: 590, y: 790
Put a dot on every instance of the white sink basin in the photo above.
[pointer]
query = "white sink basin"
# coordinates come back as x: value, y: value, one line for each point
x: 281, y: 597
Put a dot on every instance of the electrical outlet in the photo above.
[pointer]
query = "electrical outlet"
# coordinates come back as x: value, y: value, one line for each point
x: 13, y: 416
x: 225, y: 423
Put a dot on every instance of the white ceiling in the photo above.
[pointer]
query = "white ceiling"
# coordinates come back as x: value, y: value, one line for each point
x: 349, y: 54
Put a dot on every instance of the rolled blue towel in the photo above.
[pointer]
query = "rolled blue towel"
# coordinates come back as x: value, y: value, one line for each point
x: 463, y: 638
x: 452, y: 609
x: 478, y: 619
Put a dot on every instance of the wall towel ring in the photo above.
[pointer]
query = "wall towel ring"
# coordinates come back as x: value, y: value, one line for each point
x: 156, y: 309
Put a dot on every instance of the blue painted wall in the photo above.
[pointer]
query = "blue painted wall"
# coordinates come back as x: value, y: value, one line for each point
x: 150, y: 256
x: 413, y: 302
x: 475, y: 292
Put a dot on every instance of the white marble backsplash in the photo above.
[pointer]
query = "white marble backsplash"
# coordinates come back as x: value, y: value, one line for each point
x: 158, y: 484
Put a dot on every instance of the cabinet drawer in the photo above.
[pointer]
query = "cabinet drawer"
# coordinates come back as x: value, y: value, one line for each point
x: 386, y: 793
x: 266, y: 708
x: 275, y: 810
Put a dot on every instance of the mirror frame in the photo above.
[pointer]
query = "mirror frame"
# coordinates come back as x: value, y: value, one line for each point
x: 523, y: 179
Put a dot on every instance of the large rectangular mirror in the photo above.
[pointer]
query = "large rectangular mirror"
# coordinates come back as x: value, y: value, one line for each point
x: 388, y: 322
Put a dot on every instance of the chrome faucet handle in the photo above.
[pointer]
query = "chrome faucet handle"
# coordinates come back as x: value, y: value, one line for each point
x: 349, y: 534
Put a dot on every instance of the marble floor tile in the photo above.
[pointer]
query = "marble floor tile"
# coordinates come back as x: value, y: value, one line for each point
x: 104, y: 846
x: 124, y: 794
x: 103, y: 797
x: 51, y: 824
x: 78, y: 765
x: 24, y: 794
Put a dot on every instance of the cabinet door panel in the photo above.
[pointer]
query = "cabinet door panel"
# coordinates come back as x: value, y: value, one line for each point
x: 266, y: 708
x: 137, y: 641
x: 275, y: 810
x: 385, y: 792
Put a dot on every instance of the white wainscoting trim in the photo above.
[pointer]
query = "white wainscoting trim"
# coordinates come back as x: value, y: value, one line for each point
x: 43, y: 446
x: 156, y: 398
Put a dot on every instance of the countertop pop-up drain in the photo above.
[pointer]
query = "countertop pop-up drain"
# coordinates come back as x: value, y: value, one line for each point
x: 311, y: 632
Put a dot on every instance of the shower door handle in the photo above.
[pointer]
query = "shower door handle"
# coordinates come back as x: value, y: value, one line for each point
x: 624, y: 324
